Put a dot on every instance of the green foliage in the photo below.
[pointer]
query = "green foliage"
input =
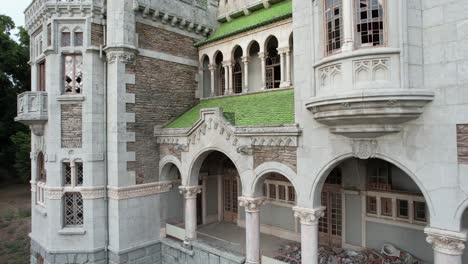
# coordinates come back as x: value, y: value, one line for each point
x: 272, y: 108
x: 258, y: 18
x: 22, y: 143
x: 14, y: 79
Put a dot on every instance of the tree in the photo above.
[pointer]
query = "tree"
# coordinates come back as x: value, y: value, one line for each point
x: 14, y: 79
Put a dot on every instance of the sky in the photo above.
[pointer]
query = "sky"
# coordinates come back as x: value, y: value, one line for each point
x: 15, y: 9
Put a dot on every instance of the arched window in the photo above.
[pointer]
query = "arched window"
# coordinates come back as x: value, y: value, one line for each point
x: 237, y: 77
x: 333, y: 26
x: 41, y: 173
x: 221, y: 78
x: 369, y: 22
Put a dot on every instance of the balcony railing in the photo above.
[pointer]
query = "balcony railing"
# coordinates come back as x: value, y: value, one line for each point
x: 32, y: 110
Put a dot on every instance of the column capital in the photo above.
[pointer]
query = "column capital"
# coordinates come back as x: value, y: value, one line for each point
x: 284, y: 50
x: 245, y: 59
x: 446, y: 241
x: 190, y: 192
x: 227, y: 63
x: 262, y: 55
x: 212, y: 67
x: 252, y: 205
x: 308, y: 216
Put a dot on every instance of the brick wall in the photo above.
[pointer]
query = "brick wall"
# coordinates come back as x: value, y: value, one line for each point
x: 286, y: 155
x: 157, y: 39
x: 462, y: 143
x: 97, y: 34
x: 71, y: 131
x: 163, y: 91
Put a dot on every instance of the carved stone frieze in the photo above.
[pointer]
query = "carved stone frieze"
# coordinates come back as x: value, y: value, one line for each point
x: 120, y: 56
x: 190, y: 192
x: 364, y: 148
x: 308, y: 216
x: 54, y: 193
x: 120, y: 193
x: 93, y: 193
x: 252, y: 205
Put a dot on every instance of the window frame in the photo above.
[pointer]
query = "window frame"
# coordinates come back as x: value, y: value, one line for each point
x: 64, y: 74
x: 325, y: 30
x: 77, y: 197
x: 41, y: 76
x: 358, y: 44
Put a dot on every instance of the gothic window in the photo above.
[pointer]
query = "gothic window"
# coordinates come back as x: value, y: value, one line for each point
x: 221, y: 80
x: 73, y: 74
x: 79, y: 173
x: 78, y: 39
x: 369, y: 22
x: 65, y: 38
x: 333, y: 26
x: 41, y: 76
x: 67, y: 173
x: 73, y: 173
x: 237, y: 77
x: 73, y: 209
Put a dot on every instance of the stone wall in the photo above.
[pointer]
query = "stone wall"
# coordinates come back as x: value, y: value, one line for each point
x: 169, y: 149
x: 285, y: 155
x: 157, y: 39
x: 146, y: 255
x: 97, y: 34
x: 98, y: 257
x: 159, y: 98
x: 71, y: 122
x: 173, y: 253
x: 462, y: 143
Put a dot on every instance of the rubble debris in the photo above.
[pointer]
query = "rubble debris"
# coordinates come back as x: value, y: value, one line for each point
x: 291, y: 254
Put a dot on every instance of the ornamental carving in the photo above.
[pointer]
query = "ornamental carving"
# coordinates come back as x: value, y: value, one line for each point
x: 364, y: 148
x: 120, y: 56
x: 120, y: 193
x: 190, y: 192
x: 93, y: 193
x: 447, y: 245
x: 54, y: 193
x: 252, y: 205
x: 309, y: 216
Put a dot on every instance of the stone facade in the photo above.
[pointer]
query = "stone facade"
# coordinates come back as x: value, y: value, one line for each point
x: 71, y: 124
x: 97, y: 34
x: 285, y: 155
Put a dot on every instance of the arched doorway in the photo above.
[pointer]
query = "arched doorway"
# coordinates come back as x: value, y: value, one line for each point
x: 175, y: 213
x: 272, y: 64
x: 370, y: 203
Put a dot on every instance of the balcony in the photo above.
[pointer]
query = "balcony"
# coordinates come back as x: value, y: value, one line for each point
x: 361, y: 95
x: 32, y: 111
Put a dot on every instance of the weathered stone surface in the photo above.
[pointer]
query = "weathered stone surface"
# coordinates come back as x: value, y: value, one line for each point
x: 462, y: 143
x: 157, y: 39
x: 97, y: 34
x: 169, y: 149
x: 159, y: 97
x: 71, y: 125
x: 286, y: 155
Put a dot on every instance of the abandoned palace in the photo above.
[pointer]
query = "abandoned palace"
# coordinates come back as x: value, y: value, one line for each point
x: 247, y: 131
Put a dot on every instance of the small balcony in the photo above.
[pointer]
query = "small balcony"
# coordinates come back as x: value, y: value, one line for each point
x: 32, y: 111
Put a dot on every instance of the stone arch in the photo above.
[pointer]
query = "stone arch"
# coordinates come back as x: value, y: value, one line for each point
x: 317, y: 185
x: 462, y: 207
x: 216, y: 54
x: 262, y: 170
x: 252, y: 44
x: 166, y: 163
x: 203, y: 59
x: 267, y: 41
x: 235, y: 49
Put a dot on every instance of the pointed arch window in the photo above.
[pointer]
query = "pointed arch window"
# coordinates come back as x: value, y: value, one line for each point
x: 221, y: 83
x: 237, y: 78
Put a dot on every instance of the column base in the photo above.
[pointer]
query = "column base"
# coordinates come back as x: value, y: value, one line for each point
x: 285, y: 84
x: 187, y: 245
x: 252, y: 262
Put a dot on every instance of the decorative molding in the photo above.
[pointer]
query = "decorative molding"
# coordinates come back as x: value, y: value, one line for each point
x: 252, y: 205
x: 330, y: 76
x: 445, y: 241
x: 245, y: 150
x: 308, y: 216
x: 371, y: 69
x: 274, y: 141
x: 120, y: 56
x: 93, y: 193
x: 54, y: 193
x: 364, y: 148
x: 190, y: 192
x: 121, y: 193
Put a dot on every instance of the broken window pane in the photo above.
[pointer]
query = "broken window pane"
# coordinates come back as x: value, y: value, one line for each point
x: 333, y: 41
x: 369, y: 22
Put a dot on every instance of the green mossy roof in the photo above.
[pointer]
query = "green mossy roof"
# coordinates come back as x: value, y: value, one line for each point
x: 256, y: 19
x: 272, y: 108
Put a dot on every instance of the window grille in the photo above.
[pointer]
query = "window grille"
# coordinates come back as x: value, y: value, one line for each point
x: 323, y: 221
x: 79, y: 173
x: 73, y: 74
x: 369, y: 22
x: 333, y: 26
x: 73, y: 209
x: 67, y: 172
x: 237, y: 77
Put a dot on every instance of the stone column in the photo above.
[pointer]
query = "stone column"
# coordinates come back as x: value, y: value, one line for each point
x: 285, y: 67
x: 252, y: 228
x: 288, y: 67
x: 262, y: 56
x: 309, y: 232
x: 190, y: 195
x: 226, y: 78
x: 230, y: 79
x: 348, y: 24
x: 212, y: 69
x: 245, y: 60
x: 282, y: 67
x: 448, y: 245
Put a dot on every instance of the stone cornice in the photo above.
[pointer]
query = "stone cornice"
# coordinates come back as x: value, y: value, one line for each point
x: 445, y: 241
x: 252, y: 205
x: 120, y: 193
x: 190, y: 192
x: 308, y: 216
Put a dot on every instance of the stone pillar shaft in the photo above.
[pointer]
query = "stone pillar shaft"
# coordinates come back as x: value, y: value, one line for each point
x: 288, y: 68
x: 245, y: 60
x: 262, y: 57
x: 212, y: 75
x: 347, y: 25
x: 190, y: 195
x: 252, y: 228
x: 309, y: 232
